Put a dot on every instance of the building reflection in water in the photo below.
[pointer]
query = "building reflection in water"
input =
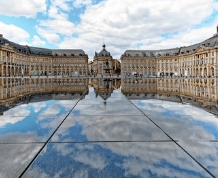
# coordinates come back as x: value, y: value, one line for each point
x: 198, y: 92
x: 16, y: 91
x: 104, y: 87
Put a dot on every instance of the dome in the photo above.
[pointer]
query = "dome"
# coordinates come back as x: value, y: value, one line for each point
x: 104, y: 52
x: 105, y: 96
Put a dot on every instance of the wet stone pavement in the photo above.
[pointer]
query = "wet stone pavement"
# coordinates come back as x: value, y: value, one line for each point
x: 108, y: 135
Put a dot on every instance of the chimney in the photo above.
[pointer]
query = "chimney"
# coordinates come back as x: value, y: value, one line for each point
x: 1, y: 36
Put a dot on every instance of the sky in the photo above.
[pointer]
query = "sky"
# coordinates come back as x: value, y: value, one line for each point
x: 120, y: 24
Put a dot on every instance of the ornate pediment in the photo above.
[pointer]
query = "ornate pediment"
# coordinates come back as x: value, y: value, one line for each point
x: 200, y: 49
x: 8, y: 47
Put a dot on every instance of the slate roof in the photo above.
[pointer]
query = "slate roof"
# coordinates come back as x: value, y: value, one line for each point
x: 211, y: 42
x: 68, y: 52
x: 103, y: 52
x: 42, y: 51
x: 152, y: 53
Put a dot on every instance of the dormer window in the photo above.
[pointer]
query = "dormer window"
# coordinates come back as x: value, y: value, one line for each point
x: 187, y: 51
x: 72, y: 54
x: 64, y: 54
x: 129, y: 55
x: 56, y: 54
x: 167, y: 54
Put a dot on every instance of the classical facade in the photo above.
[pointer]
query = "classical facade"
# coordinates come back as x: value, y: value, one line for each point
x: 103, y: 64
x: 20, y: 60
x: 199, y: 60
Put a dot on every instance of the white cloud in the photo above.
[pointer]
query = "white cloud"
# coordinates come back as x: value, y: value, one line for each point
x: 37, y: 41
x: 183, y: 38
x: 64, y: 5
x: 14, y: 33
x: 49, y: 35
x: 14, y: 115
x: 124, y: 24
x: 38, y: 106
x: 50, y: 111
x: 57, y: 23
x: 131, y: 22
x: 80, y: 3
x: 22, y: 7
x: 16, y: 157
x: 94, y: 160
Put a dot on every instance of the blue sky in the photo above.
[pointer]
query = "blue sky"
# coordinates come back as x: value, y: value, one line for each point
x: 122, y: 25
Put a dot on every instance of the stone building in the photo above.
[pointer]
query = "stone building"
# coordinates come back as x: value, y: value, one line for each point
x: 198, y: 60
x: 20, y: 60
x: 103, y: 64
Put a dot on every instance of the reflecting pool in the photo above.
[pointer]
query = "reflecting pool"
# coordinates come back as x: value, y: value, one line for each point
x: 107, y: 127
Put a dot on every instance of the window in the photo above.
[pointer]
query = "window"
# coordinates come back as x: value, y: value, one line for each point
x: 206, y: 61
x: 212, y: 71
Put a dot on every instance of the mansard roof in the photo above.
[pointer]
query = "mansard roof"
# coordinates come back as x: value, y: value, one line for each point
x: 152, y: 53
x: 209, y: 43
x: 103, y: 52
x: 42, y: 51
x: 189, y: 49
x: 68, y: 52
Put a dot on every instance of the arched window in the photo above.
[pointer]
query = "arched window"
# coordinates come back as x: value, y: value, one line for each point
x: 212, y: 71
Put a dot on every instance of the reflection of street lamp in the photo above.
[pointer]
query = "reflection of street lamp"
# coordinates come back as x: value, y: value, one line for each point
x: 105, y: 103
